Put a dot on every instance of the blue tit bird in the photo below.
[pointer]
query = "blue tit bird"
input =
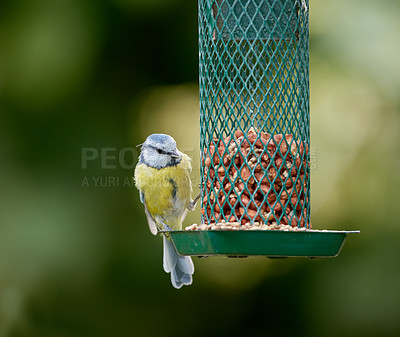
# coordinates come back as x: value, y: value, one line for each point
x: 162, y: 177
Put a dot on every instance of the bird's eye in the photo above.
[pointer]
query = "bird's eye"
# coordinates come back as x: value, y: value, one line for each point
x: 160, y: 151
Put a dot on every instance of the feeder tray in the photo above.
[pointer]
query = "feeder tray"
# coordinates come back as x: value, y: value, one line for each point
x: 312, y: 244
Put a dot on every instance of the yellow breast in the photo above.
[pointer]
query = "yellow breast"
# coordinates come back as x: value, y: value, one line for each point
x: 167, y: 191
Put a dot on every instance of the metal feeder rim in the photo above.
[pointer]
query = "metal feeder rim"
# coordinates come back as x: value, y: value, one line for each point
x: 271, y: 243
x: 262, y: 230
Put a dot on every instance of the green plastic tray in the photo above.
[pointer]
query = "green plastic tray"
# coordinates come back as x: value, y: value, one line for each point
x: 260, y: 242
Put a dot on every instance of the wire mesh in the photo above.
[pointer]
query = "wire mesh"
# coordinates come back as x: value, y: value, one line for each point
x: 254, y: 111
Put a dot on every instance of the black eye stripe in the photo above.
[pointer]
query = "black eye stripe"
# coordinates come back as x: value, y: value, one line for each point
x: 159, y: 151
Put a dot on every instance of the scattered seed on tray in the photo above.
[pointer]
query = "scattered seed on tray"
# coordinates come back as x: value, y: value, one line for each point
x: 235, y: 226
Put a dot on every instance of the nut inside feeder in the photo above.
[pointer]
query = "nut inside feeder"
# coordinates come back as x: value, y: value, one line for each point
x: 255, y: 133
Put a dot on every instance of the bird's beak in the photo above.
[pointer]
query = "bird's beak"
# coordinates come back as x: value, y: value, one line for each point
x: 175, y: 154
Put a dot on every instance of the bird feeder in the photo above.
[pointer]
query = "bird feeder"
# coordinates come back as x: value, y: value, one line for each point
x: 255, y: 133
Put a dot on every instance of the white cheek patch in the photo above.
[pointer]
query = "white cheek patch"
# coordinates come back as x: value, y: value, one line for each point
x: 153, y: 159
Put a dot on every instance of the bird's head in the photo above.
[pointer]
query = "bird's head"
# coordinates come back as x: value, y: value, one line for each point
x: 159, y: 151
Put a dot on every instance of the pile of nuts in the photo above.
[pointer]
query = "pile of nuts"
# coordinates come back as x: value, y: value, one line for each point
x: 257, y: 180
x: 232, y: 226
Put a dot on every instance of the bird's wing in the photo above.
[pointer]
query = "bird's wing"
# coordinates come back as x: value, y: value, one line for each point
x: 150, y: 220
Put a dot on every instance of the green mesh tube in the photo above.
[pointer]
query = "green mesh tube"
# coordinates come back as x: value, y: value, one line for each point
x: 254, y: 111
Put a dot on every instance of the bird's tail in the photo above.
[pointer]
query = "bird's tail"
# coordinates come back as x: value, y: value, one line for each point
x: 180, y: 267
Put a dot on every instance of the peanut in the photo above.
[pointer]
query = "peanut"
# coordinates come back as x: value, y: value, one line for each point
x: 245, y: 173
x: 238, y: 134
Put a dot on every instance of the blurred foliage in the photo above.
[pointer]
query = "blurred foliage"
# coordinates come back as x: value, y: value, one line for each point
x: 79, y: 260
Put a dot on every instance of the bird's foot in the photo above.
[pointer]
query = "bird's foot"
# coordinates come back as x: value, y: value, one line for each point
x: 166, y: 227
x: 192, y: 204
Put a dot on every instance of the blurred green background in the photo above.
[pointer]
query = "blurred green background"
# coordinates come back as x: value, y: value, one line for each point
x: 78, y: 260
